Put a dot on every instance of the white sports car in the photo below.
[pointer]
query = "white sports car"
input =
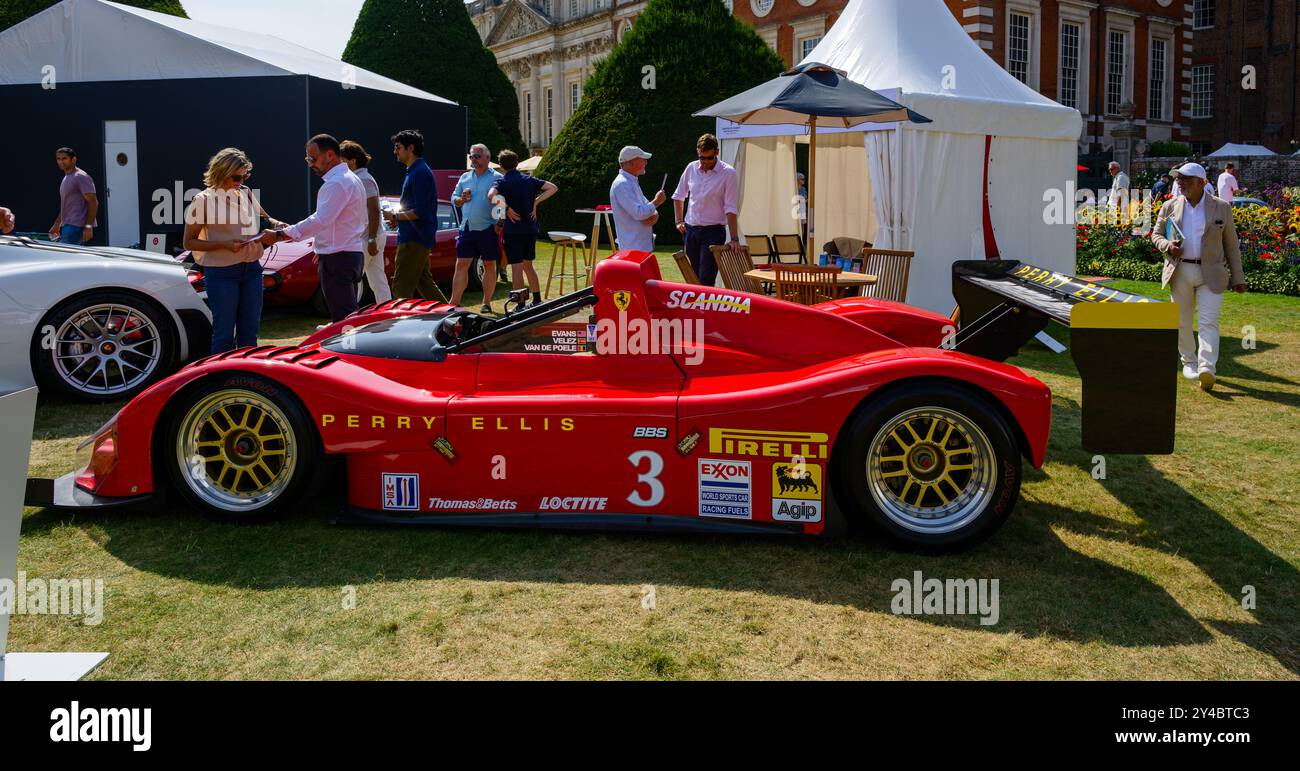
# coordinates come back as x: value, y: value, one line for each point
x: 95, y: 323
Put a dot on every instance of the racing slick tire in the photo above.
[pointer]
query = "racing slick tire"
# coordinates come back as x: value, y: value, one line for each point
x: 103, y: 346
x: 240, y: 448
x: 932, y: 465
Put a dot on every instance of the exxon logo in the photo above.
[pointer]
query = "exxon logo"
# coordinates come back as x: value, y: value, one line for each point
x: 725, y: 470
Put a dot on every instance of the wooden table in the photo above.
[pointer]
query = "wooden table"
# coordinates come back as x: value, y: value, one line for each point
x: 596, y: 230
x: 853, y: 281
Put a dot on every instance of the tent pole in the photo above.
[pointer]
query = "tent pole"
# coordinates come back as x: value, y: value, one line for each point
x: 812, y: 187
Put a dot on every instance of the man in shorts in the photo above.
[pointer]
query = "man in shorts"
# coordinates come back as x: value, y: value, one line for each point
x: 522, y: 194
x: 477, y: 239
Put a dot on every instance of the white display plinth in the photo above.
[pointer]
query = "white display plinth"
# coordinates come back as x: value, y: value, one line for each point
x: 17, y: 412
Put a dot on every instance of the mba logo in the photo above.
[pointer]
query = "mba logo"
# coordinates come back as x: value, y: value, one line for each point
x: 103, y: 724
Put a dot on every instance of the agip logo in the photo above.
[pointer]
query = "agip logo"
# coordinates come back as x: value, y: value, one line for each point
x: 797, y: 490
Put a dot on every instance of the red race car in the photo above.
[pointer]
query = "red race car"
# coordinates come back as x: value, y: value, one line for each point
x: 290, y: 277
x: 640, y: 403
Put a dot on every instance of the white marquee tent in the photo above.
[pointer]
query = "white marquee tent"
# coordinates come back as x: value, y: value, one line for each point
x: 1234, y: 150
x: 970, y: 185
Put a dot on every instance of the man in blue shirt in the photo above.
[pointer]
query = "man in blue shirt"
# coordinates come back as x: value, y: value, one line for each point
x: 417, y: 224
x: 522, y: 194
x: 477, y: 239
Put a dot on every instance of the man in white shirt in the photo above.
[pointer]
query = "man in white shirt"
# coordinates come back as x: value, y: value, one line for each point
x: 1118, y: 186
x: 634, y: 216
x: 338, y: 226
x: 1228, y: 186
x: 358, y: 161
x: 1198, y: 239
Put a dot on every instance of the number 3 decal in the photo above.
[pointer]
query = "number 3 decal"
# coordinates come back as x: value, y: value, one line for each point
x: 650, y: 478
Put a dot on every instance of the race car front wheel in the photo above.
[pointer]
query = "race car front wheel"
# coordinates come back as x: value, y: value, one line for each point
x: 931, y: 464
x: 103, y: 346
x: 243, y: 450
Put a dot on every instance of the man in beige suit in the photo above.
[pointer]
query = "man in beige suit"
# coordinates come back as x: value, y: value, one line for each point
x: 1202, y: 258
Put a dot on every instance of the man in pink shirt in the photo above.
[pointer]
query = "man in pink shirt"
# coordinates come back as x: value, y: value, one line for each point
x: 713, y: 187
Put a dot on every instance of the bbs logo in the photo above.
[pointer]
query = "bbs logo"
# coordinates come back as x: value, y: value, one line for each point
x: 650, y: 432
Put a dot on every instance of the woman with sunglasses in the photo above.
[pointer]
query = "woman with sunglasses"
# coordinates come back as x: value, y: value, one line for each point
x: 221, y: 226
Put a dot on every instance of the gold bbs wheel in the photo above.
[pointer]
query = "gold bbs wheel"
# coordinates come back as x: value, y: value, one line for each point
x: 236, y: 451
x: 931, y: 470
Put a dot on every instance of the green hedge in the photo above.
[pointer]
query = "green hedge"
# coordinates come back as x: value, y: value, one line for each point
x: 432, y: 45
x: 14, y: 11
x: 700, y: 55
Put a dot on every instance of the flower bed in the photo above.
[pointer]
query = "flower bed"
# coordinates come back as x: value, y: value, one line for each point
x: 1115, y: 244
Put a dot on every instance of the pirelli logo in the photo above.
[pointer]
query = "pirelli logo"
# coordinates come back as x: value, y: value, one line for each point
x: 768, y: 444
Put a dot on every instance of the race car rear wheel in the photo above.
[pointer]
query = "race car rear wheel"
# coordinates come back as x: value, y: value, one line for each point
x: 243, y: 449
x: 932, y: 465
x: 103, y: 346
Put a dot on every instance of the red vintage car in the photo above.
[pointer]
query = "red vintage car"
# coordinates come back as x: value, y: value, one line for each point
x: 639, y: 403
x: 290, y: 277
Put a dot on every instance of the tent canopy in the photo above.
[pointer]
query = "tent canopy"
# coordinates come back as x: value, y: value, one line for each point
x: 97, y: 41
x: 921, y: 49
x: 974, y: 183
x: 1234, y: 150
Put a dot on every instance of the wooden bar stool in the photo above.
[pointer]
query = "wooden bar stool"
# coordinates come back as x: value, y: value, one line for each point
x: 568, y: 253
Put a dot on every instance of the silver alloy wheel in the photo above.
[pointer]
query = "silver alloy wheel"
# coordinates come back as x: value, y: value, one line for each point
x: 106, y: 349
x: 931, y: 470
x: 236, y: 450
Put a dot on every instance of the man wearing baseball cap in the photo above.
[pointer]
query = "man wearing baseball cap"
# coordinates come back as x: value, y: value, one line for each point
x: 634, y: 216
x: 1196, y: 234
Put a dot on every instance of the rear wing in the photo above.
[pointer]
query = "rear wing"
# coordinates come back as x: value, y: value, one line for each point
x: 1125, y: 345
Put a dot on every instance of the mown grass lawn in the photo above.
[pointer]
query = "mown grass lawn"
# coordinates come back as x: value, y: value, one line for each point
x: 1139, y: 575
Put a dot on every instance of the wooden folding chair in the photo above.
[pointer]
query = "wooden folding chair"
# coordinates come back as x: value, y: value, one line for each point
x: 733, y: 264
x: 806, y: 285
x: 760, y: 248
x: 684, y: 265
x: 891, y: 269
x: 788, y: 245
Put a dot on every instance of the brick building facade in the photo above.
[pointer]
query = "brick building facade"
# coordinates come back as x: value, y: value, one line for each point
x: 791, y: 27
x: 1230, y: 36
x: 1093, y: 55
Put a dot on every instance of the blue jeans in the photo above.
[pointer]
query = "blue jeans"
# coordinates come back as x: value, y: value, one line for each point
x: 235, y: 297
x: 70, y: 234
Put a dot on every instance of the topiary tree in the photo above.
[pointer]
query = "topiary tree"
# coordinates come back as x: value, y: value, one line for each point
x: 14, y: 11
x: 432, y: 45
x: 700, y: 55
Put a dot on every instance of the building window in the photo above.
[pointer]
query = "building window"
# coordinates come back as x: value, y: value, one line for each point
x: 1116, y: 68
x: 1070, y: 42
x: 1159, y: 79
x: 761, y: 7
x: 575, y: 96
x: 1203, y: 91
x: 573, y: 9
x: 550, y: 115
x: 528, y: 115
x: 807, y: 45
x: 1202, y: 14
x: 1018, y: 48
